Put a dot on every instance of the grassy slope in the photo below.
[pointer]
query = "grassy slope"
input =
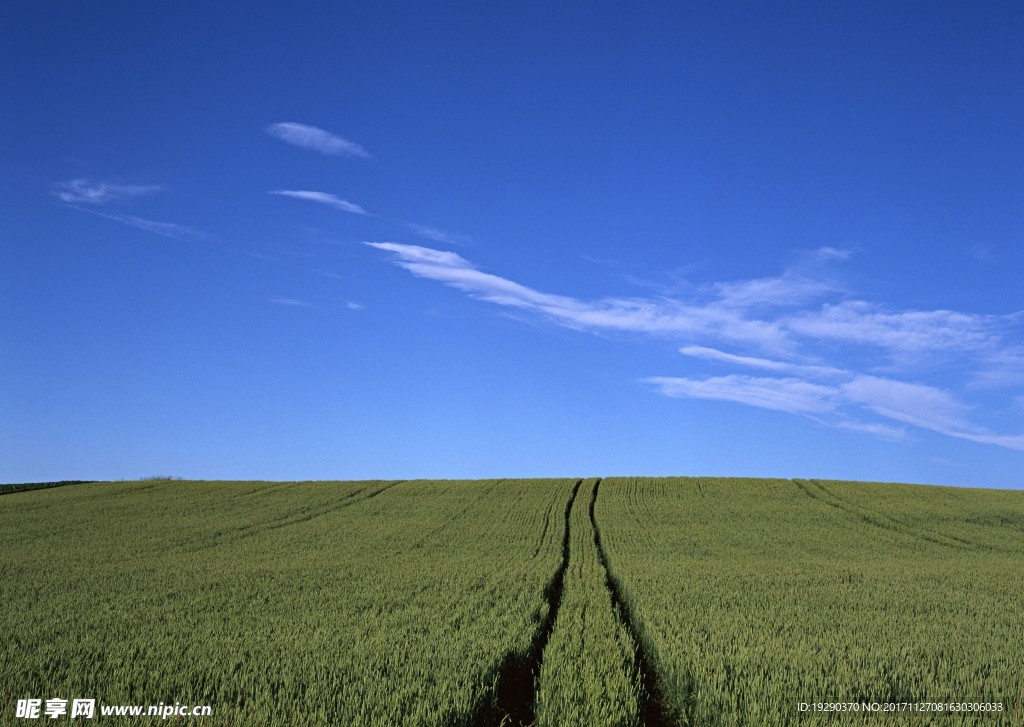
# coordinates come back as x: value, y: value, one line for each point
x: 759, y: 594
x: 353, y: 602
x: 384, y: 603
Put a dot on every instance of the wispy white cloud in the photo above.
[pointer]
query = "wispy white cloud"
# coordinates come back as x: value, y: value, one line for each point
x: 322, y: 198
x: 316, y: 139
x: 883, y: 431
x: 795, y: 396
x: 999, y: 368
x: 355, y: 306
x: 1009, y: 441
x: 785, y: 325
x: 900, y: 333
x: 437, y: 234
x: 713, y: 354
x: 833, y: 253
x: 922, y: 406
x: 639, y: 315
x: 291, y: 302
x: 94, y: 192
x: 166, y: 229
x: 736, y: 312
x: 406, y: 255
x: 784, y: 291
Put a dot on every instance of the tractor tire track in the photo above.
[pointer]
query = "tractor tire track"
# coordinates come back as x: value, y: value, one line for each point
x: 920, y: 532
x: 512, y: 702
x: 272, y: 487
x: 544, y: 532
x: 382, y: 489
x: 450, y: 521
x: 293, y: 517
x: 344, y: 502
x: 654, y: 707
x: 816, y: 491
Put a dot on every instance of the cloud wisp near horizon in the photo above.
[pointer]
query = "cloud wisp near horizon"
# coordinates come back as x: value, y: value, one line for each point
x: 836, y: 359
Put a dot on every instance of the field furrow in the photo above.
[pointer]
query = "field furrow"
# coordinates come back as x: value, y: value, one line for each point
x: 588, y: 674
x: 515, y: 603
x: 513, y: 700
x: 988, y: 519
x: 816, y: 490
x: 653, y: 708
x: 336, y: 618
x: 754, y: 598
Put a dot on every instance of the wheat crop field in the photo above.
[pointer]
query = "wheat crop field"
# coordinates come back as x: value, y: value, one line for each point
x: 573, y: 601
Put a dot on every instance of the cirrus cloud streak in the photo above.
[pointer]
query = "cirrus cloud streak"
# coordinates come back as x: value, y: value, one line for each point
x: 322, y: 198
x: 316, y: 139
x: 94, y: 192
x: 784, y: 325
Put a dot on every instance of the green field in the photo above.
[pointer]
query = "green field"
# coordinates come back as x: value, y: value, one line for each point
x: 621, y: 601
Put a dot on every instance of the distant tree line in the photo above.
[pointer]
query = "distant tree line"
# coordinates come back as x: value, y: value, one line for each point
x: 23, y: 486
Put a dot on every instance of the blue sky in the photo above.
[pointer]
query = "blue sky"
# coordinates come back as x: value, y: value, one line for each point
x: 479, y: 239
